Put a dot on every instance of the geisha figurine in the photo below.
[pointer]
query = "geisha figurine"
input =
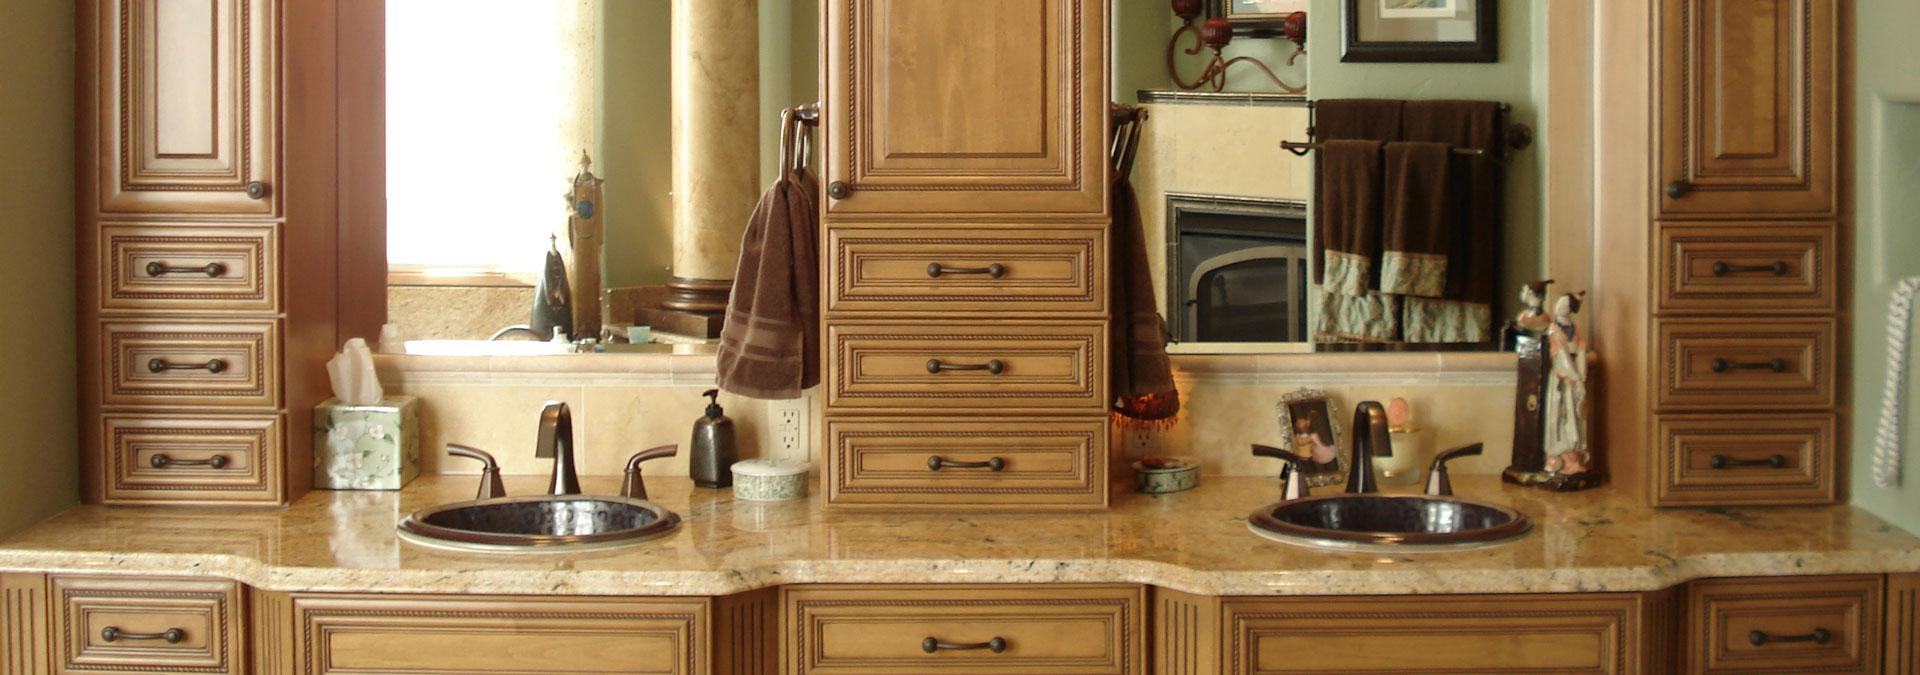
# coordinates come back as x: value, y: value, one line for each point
x: 1566, y: 423
x: 1550, y: 442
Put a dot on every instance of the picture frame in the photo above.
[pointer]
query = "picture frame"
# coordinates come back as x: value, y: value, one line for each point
x: 1310, y: 429
x: 1255, y: 18
x: 1421, y: 31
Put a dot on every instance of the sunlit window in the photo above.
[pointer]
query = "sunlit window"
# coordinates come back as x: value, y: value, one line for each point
x: 486, y: 117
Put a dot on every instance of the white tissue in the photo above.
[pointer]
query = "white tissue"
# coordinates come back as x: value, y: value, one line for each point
x: 354, y: 380
x: 392, y: 339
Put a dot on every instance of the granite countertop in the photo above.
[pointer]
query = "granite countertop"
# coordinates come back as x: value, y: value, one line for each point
x: 1195, y: 541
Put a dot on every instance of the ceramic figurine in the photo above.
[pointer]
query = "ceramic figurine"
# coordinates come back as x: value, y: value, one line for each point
x: 1550, y: 447
x: 1566, y: 428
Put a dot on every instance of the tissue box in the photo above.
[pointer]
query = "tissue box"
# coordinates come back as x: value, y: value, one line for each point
x: 366, y: 447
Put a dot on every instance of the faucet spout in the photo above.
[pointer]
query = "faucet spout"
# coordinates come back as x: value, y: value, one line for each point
x: 1370, y: 438
x: 556, y: 442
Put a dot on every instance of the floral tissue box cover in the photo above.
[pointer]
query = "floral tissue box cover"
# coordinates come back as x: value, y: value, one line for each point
x: 366, y: 447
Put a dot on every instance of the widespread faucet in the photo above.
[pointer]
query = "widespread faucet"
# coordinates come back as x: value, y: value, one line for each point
x: 556, y: 442
x: 1370, y: 439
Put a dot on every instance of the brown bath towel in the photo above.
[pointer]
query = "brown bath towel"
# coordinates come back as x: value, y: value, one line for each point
x: 1478, y: 185
x: 1417, y: 221
x: 770, y: 345
x: 1366, y: 119
x: 1138, y: 370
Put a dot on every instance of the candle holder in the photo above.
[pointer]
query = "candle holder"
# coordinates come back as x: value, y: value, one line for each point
x: 1215, y: 33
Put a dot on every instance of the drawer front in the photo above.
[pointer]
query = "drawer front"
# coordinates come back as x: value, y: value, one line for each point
x: 913, y: 368
x: 1083, y: 630
x: 1785, y: 625
x: 1422, y: 635
x: 143, y: 625
x: 1747, y: 270
x: 1042, y: 463
x: 935, y: 270
x: 176, y: 459
x: 1734, y: 364
x: 1746, y: 459
x: 480, y: 634
x: 190, y: 268
x: 231, y: 364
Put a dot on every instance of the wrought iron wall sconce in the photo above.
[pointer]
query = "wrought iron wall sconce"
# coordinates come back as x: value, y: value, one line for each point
x: 1214, y: 33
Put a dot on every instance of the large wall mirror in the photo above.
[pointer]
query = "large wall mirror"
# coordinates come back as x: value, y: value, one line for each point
x: 491, y: 105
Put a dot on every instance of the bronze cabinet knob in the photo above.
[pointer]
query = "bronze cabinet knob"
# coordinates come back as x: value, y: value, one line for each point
x: 1678, y: 189
x: 839, y: 189
x: 256, y: 190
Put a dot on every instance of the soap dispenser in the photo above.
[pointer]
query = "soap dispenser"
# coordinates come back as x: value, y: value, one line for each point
x: 714, y: 449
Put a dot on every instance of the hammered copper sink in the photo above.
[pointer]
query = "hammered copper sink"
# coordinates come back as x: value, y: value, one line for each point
x: 1402, y: 521
x: 544, y: 522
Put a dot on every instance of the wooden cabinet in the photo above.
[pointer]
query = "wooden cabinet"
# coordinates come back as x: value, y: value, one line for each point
x: 208, y: 154
x: 932, y: 325
x: 1033, y: 630
x: 122, y: 624
x: 1750, y: 107
x: 1752, y: 459
x: 1790, y: 625
x: 958, y: 109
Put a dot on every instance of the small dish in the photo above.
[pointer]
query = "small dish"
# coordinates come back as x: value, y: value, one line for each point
x: 1161, y: 475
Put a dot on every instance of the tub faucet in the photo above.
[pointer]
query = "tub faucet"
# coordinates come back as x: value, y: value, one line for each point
x: 556, y: 442
x: 1369, y: 437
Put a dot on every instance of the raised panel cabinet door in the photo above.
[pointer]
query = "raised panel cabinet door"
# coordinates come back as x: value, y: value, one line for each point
x: 187, y: 106
x: 966, y: 108
x: 1785, y: 625
x: 403, y: 634
x: 1749, y: 107
x: 129, y: 624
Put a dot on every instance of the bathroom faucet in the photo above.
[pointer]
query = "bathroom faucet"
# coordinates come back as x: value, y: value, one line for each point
x: 556, y: 443
x: 1369, y: 437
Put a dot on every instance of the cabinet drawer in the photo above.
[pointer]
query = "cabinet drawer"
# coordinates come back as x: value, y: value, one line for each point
x: 1746, y: 459
x: 1755, y: 269
x: 190, y: 268
x: 1784, y: 625
x: 123, y: 624
x: 177, y: 459
x: 1033, y: 630
x: 1025, y: 367
x: 1042, y: 463
x: 1755, y: 364
x: 480, y: 634
x: 936, y: 270
x: 1421, y: 635
x: 202, y: 363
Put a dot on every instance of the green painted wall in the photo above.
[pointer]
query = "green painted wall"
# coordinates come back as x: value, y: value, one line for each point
x: 39, y: 451
x: 1887, y: 223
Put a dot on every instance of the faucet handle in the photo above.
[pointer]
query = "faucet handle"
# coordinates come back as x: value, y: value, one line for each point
x: 490, y: 485
x: 635, y: 487
x: 1293, y: 479
x: 1437, y: 483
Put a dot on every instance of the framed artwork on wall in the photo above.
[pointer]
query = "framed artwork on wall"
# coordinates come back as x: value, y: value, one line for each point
x: 1256, y: 18
x: 1414, y: 31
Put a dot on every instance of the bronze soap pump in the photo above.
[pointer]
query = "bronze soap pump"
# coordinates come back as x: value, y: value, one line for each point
x: 714, y: 448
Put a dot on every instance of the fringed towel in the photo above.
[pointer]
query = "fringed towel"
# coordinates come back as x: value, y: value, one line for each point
x: 1140, y: 373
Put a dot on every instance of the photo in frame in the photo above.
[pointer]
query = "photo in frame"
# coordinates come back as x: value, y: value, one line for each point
x: 1255, y: 18
x: 1310, y: 429
x: 1414, y: 31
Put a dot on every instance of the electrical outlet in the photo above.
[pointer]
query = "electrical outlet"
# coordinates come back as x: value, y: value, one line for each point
x: 790, y: 433
x: 1141, y: 439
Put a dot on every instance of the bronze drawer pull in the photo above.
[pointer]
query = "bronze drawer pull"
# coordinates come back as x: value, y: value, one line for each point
x: 160, y: 269
x: 931, y: 645
x: 215, y: 366
x: 936, y: 463
x: 1721, y: 268
x: 1721, y: 462
x: 1678, y: 189
x: 162, y: 461
x: 995, y: 270
x: 256, y: 190
x: 1819, y: 636
x: 993, y: 367
x: 173, y: 636
x: 1723, y: 365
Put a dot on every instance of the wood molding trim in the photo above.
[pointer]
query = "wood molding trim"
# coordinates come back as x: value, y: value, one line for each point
x: 1903, y: 624
x: 746, y: 636
x: 24, y: 621
x: 1186, y: 633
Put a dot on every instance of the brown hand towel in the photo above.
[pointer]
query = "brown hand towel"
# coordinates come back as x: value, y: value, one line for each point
x: 769, y: 347
x: 1477, y: 183
x: 1139, y: 371
x: 1417, y: 221
x: 1351, y: 184
x: 1351, y: 119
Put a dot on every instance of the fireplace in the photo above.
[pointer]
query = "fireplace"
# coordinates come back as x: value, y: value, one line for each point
x: 1237, y: 269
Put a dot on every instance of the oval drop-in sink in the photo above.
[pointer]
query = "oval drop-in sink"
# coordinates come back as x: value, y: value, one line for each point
x: 1376, y: 522
x: 538, y: 523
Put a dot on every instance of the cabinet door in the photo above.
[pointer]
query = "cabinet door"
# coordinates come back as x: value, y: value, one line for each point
x: 186, y: 106
x: 1748, y: 107
x: 966, y: 108
x: 406, y: 634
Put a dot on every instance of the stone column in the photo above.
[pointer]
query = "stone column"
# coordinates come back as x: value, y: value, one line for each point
x: 716, y: 150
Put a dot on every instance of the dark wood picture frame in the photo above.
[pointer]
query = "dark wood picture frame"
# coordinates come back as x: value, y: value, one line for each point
x: 1484, y: 48
x: 1262, y: 26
